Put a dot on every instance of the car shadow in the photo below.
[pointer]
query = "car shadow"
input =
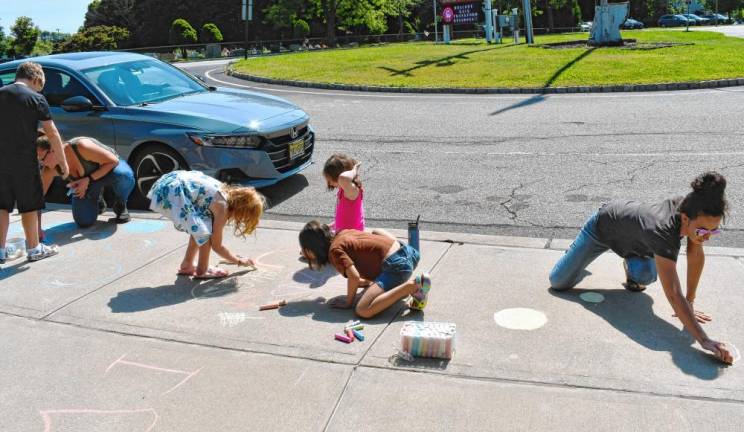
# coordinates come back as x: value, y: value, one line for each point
x: 284, y: 190
x: 633, y: 315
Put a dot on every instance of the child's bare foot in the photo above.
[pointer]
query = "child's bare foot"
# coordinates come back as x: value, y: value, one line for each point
x: 186, y: 271
x: 211, y: 273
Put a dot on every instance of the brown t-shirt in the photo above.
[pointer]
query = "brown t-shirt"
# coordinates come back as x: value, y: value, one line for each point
x: 363, y: 250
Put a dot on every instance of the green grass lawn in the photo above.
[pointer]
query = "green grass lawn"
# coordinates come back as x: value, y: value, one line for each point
x: 473, y: 63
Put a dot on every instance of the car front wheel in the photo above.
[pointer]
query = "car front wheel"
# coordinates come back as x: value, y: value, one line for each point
x: 149, y: 165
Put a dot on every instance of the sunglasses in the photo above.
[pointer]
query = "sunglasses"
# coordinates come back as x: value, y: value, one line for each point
x: 702, y: 231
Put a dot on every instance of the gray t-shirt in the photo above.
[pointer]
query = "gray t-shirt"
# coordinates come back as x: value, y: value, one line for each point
x: 631, y: 228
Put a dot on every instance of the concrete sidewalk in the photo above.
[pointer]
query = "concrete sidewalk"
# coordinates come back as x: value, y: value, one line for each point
x: 105, y: 336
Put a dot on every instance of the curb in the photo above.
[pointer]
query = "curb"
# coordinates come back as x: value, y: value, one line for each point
x: 493, y: 240
x: 693, y: 85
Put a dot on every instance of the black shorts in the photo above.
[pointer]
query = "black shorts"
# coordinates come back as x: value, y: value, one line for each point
x: 21, y: 189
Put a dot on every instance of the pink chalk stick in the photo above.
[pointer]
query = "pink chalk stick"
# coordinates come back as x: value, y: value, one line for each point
x: 342, y: 338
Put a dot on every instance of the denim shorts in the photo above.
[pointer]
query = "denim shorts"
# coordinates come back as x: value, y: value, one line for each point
x: 398, y: 267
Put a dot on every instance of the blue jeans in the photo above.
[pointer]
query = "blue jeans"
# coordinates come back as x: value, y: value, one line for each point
x: 586, y: 248
x: 120, y: 180
x: 398, y: 267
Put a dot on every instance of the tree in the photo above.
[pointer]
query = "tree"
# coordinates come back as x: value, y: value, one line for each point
x: 98, y: 38
x: 210, y: 33
x: 182, y: 33
x: 118, y: 13
x: 301, y: 29
x: 3, y: 42
x: 26, y: 34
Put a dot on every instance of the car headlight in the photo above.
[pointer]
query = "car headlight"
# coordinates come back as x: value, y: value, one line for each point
x: 231, y: 141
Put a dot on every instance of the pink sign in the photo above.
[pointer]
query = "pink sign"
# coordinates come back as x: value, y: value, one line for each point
x: 448, y: 15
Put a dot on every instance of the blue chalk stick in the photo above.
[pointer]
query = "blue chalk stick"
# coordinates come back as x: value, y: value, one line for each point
x: 358, y: 335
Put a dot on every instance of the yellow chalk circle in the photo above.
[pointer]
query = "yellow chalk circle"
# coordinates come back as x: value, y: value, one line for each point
x: 520, y: 319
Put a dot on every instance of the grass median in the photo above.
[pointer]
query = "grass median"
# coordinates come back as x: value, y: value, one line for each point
x: 692, y: 56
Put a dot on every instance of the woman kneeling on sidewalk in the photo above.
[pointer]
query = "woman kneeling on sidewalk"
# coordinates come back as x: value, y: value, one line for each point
x: 376, y: 261
x: 648, y: 237
x: 93, y: 166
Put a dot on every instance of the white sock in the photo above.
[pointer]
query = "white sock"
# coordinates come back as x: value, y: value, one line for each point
x: 36, y: 249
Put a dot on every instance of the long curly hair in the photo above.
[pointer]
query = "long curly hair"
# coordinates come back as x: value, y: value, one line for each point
x: 244, y: 208
x: 708, y: 196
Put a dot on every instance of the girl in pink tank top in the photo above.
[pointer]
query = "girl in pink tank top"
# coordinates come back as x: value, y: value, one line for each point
x: 342, y: 172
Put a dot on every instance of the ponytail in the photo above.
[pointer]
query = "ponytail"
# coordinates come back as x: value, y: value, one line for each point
x: 708, y: 196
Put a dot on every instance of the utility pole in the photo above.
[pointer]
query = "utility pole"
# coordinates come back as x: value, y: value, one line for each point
x: 436, y: 32
x: 247, y: 16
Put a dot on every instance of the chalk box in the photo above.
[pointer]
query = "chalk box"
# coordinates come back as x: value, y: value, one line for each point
x: 428, y: 339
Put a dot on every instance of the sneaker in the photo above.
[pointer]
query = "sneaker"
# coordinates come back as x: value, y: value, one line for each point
x: 630, y: 284
x: 42, y: 251
x: 418, y: 299
x: 2, y: 256
x: 121, y: 212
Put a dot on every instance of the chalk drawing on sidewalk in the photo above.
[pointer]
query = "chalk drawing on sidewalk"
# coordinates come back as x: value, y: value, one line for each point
x: 233, y: 319
x: 188, y: 374
x: 47, y: 415
x: 520, y: 319
x: 592, y: 297
x: 144, y: 226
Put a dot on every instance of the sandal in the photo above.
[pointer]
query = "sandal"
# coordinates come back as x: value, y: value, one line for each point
x: 212, y: 273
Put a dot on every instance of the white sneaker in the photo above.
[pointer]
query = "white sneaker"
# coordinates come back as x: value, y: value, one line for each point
x: 42, y: 251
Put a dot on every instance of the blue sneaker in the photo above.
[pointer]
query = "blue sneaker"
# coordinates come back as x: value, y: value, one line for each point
x: 418, y: 299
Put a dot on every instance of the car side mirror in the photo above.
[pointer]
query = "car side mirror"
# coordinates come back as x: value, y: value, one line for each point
x: 79, y: 104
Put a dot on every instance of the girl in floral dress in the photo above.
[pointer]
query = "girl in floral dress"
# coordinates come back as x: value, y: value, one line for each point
x: 202, y: 206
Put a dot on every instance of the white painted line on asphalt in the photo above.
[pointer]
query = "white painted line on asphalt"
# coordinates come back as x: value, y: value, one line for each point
x: 467, y: 96
x: 545, y: 154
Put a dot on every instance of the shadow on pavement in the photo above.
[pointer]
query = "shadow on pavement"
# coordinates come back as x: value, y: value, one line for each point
x: 69, y: 232
x: 632, y: 314
x: 181, y: 291
x: 439, y: 62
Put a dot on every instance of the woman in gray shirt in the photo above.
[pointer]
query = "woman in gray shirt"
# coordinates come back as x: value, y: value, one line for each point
x: 648, y: 237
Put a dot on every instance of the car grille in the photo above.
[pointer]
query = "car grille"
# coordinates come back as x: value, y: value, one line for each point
x: 278, y: 150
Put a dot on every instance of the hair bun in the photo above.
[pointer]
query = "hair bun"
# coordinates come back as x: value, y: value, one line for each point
x: 710, y: 182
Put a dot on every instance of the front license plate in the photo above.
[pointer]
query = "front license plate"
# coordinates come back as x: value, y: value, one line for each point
x: 296, y: 149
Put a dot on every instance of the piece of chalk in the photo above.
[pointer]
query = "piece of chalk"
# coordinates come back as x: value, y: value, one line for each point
x: 353, y: 323
x: 276, y: 305
x: 342, y: 338
x: 358, y: 335
x: 350, y: 334
x: 356, y: 327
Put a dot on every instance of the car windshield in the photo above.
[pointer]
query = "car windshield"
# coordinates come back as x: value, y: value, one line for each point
x: 142, y: 81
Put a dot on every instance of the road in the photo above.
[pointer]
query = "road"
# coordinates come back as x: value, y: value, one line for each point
x: 533, y: 166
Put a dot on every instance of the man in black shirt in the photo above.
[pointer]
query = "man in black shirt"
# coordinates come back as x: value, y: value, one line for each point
x: 22, y: 108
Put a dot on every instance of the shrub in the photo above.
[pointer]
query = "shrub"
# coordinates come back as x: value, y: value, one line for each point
x: 210, y: 33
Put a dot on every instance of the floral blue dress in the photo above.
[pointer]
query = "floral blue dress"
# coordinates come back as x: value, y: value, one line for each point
x: 184, y: 197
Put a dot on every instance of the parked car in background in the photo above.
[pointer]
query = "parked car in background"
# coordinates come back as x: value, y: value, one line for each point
x: 696, y: 19
x: 672, y: 21
x: 586, y: 26
x: 161, y: 119
x: 630, y: 24
x: 722, y: 19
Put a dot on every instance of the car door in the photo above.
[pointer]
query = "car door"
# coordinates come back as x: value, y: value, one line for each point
x: 61, y: 85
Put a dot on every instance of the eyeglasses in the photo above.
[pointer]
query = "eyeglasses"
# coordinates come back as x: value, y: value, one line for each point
x: 702, y: 231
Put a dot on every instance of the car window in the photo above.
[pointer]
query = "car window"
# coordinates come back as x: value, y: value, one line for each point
x: 61, y: 86
x: 7, y: 77
x: 144, y: 81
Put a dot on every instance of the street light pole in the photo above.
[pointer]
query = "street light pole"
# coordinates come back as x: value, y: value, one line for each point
x: 716, y: 13
x: 247, y: 16
x: 688, y: 15
x: 436, y: 31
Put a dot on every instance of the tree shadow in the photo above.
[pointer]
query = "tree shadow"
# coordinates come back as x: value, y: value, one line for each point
x: 284, y: 190
x: 182, y: 290
x: 633, y: 315
x: 538, y: 98
x: 440, y: 62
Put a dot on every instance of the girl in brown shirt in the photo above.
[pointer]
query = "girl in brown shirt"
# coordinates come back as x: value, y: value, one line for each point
x: 375, y: 261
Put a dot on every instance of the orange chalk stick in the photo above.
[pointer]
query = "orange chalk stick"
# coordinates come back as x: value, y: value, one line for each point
x: 276, y: 305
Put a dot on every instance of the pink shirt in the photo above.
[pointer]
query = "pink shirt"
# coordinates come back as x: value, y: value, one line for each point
x: 349, y: 213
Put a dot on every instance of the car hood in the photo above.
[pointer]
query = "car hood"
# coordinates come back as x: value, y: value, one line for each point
x: 227, y: 110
